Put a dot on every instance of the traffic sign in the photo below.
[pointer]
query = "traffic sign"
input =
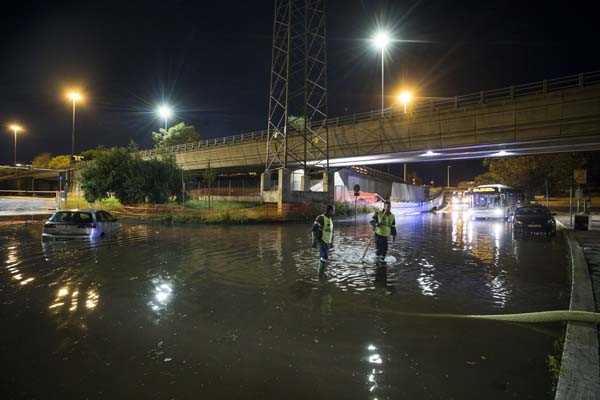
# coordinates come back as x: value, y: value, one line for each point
x: 580, y: 176
x: 357, y: 190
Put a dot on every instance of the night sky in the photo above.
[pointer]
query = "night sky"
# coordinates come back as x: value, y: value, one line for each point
x: 211, y: 61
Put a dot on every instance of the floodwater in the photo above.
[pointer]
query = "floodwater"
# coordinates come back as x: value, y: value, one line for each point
x: 239, y: 312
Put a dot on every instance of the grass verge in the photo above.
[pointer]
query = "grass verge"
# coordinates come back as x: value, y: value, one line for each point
x: 221, y: 212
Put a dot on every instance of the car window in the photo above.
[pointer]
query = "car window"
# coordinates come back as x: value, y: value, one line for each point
x: 72, y: 216
x: 82, y: 217
x: 100, y: 216
x: 61, y: 217
x: 109, y: 217
x: 532, y: 211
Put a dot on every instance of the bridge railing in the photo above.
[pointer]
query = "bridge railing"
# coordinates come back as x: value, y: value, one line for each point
x: 423, y: 105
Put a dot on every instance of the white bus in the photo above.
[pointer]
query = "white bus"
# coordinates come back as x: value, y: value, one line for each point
x: 493, y: 201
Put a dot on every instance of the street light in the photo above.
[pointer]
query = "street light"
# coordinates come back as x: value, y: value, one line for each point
x: 15, y: 128
x: 404, y: 98
x: 381, y: 40
x: 165, y: 112
x: 74, y: 96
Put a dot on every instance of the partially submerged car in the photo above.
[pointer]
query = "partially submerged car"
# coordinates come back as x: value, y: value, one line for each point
x: 534, y: 218
x: 80, y: 224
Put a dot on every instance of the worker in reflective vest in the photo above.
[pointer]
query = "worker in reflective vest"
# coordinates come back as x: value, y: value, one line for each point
x: 384, y: 225
x: 322, y: 232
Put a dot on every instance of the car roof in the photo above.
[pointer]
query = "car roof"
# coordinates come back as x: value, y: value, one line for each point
x: 80, y: 210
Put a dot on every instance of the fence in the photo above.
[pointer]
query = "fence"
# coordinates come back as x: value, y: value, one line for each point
x: 224, y: 191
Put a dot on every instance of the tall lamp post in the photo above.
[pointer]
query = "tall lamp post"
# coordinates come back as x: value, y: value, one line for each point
x: 381, y: 41
x: 16, y: 129
x: 74, y: 97
x: 449, y: 176
x: 165, y: 113
x: 405, y: 98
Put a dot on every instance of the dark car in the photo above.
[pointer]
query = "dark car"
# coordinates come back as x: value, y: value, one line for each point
x: 534, y: 219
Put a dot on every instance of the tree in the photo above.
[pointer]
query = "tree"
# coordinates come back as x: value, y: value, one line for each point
x: 161, y: 180
x: 60, y: 162
x: 411, y: 177
x: 41, y: 160
x: 130, y: 178
x: 296, y: 122
x: 533, y: 173
x: 92, y: 154
x: 177, y: 134
x: 209, y: 175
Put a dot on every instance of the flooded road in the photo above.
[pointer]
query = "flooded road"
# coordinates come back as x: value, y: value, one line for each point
x: 239, y: 312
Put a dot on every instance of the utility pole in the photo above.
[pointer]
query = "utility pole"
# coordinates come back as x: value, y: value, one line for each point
x: 298, y: 87
x: 448, y: 176
x: 571, y: 203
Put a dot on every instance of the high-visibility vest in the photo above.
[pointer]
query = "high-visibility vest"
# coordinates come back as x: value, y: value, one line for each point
x: 327, y: 229
x: 385, y: 222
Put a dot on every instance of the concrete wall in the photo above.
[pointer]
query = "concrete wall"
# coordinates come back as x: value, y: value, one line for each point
x: 409, y: 193
x: 395, y: 190
x: 284, y: 193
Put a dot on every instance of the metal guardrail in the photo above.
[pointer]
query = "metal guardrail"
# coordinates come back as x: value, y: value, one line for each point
x: 508, y: 93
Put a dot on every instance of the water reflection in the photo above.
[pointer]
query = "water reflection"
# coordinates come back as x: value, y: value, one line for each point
x: 375, y: 373
x: 13, y: 261
x: 485, y: 240
x: 161, y: 295
x: 427, y: 282
x: 68, y: 298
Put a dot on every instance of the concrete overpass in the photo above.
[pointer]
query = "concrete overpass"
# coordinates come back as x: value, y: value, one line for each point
x: 557, y: 115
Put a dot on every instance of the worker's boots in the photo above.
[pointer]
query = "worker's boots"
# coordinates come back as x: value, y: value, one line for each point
x: 321, y: 267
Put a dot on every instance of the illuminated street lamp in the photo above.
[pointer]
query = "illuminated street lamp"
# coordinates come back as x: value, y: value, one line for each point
x: 74, y: 96
x: 165, y: 112
x: 15, y: 128
x: 405, y: 98
x: 381, y: 40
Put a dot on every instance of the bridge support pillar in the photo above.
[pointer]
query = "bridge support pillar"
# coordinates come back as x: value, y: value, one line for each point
x: 305, y: 183
x: 328, y: 185
x: 265, y: 181
x: 284, y: 186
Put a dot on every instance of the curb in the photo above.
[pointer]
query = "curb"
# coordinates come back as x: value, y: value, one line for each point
x: 25, y: 217
x: 579, y: 376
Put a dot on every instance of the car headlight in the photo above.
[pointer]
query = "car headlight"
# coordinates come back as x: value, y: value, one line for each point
x: 517, y: 222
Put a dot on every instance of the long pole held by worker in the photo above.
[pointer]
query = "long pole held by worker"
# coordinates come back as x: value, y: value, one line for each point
x: 362, y: 259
